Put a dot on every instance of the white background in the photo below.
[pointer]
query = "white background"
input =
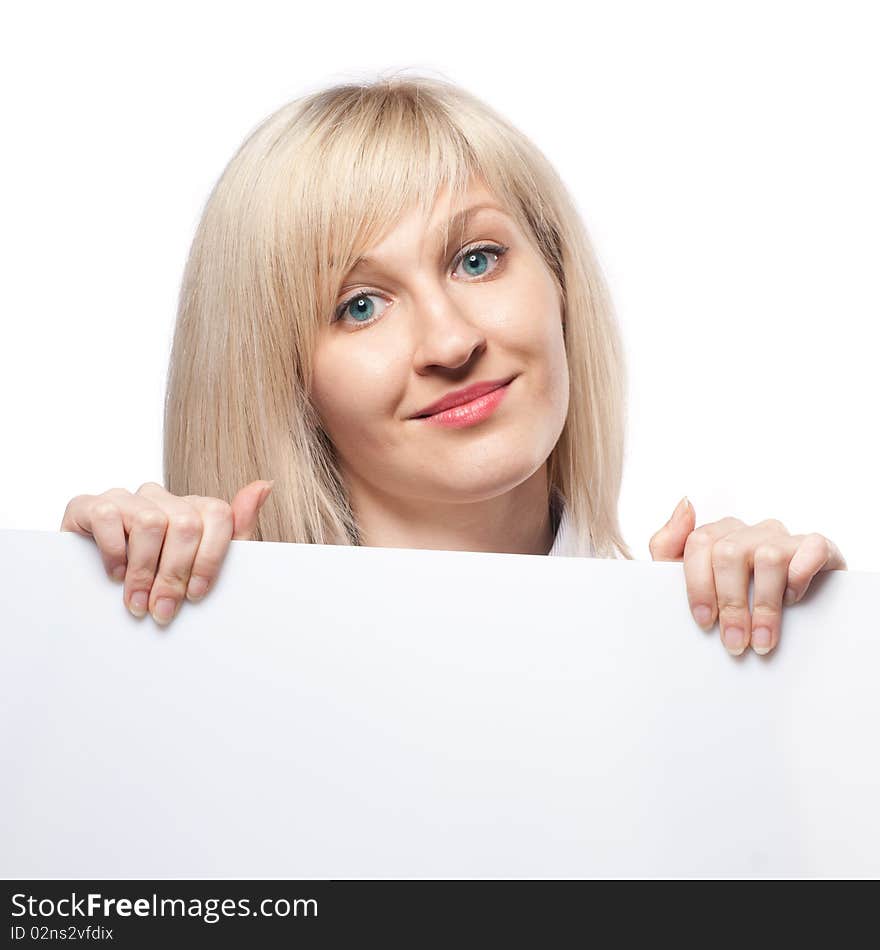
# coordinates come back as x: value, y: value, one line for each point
x: 724, y: 157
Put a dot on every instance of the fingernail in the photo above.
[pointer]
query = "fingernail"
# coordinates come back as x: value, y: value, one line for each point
x: 119, y: 572
x: 196, y: 588
x: 680, y: 508
x: 703, y: 615
x: 138, y: 603
x: 733, y: 640
x: 790, y: 597
x: 164, y: 610
x: 761, y: 640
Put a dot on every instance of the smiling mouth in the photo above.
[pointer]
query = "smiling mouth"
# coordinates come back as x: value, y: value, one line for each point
x: 455, y: 403
x: 469, y: 413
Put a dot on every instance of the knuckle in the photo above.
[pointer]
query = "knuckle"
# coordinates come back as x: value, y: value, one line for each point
x: 769, y: 555
x: 116, y: 568
x: 725, y: 553
x: 732, y: 606
x: 114, y: 565
x: 105, y: 511
x: 75, y: 502
x: 702, y: 596
x: 698, y: 540
x: 199, y: 585
x: 150, y: 519
x: 696, y: 543
x: 798, y: 578
x: 78, y: 507
x: 186, y: 526
x: 219, y: 510
x: 139, y: 577
x: 114, y: 552
x: 172, y: 580
x: 149, y: 486
x: 208, y: 568
x: 820, y: 543
x: 701, y: 538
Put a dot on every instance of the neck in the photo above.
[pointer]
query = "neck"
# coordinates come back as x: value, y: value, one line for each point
x: 516, y: 522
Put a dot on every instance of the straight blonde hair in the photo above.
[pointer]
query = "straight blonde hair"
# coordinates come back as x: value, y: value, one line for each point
x: 311, y: 189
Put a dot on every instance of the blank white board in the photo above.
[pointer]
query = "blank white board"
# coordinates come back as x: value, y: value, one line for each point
x: 341, y: 712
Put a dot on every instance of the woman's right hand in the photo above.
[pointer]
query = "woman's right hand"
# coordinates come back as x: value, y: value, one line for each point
x: 175, y: 545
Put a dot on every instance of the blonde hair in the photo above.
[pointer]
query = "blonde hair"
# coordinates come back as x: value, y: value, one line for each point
x: 311, y: 188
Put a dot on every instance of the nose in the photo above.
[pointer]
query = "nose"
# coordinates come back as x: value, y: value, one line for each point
x: 446, y: 337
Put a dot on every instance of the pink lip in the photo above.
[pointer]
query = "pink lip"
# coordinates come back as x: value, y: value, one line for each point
x: 461, y: 396
x: 469, y: 413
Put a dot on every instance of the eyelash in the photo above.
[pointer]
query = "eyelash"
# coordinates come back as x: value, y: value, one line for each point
x: 499, y: 250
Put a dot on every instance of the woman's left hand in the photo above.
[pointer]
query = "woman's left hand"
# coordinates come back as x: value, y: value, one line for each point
x: 718, y: 562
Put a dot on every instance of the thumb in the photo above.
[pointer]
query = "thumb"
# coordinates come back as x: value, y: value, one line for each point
x: 246, y: 508
x: 668, y: 543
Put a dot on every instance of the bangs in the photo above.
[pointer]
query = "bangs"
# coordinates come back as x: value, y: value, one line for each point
x: 373, y: 154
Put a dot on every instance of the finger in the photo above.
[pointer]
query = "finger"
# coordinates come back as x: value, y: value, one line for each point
x: 814, y: 554
x: 217, y: 523
x: 732, y: 561
x: 145, y: 525
x: 771, y: 560
x: 246, y: 509
x: 99, y: 517
x: 698, y: 572
x: 668, y: 543
x: 183, y: 535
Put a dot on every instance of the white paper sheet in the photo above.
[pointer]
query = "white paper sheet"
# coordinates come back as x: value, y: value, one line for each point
x: 337, y: 712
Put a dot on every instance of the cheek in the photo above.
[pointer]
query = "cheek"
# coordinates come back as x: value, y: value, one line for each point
x: 532, y: 326
x: 557, y: 358
x: 553, y: 380
x: 353, y: 390
x: 543, y: 340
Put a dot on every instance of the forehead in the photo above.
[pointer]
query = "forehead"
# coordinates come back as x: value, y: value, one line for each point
x: 445, y: 223
x: 477, y: 193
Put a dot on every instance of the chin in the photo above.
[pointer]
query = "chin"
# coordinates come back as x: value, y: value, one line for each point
x: 480, y: 481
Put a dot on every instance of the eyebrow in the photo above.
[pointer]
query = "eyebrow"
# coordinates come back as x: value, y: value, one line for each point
x: 459, y: 220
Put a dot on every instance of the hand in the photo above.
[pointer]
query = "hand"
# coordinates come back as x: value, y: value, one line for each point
x: 718, y: 562
x: 175, y: 545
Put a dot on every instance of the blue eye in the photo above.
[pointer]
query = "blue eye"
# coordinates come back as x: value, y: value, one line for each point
x: 478, y: 260
x: 360, y: 307
x: 360, y: 310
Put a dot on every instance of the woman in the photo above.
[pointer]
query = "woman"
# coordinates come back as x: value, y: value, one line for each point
x: 372, y: 255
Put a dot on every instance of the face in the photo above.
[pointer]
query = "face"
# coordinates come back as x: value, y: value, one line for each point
x: 414, y: 324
